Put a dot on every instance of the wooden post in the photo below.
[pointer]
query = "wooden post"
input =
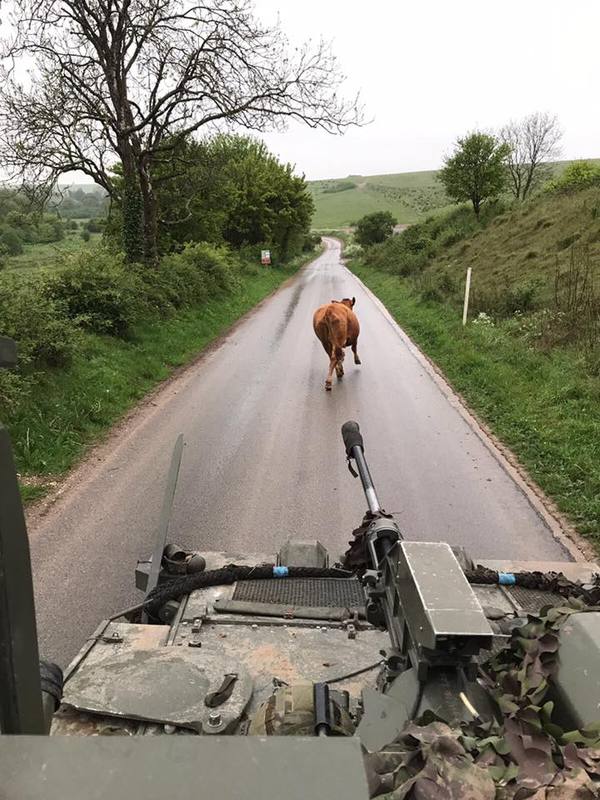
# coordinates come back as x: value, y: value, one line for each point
x: 467, y: 292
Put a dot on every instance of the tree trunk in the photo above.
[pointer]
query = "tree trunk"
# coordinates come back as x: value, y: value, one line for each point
x: 150, y: 216
x: 132, y: 207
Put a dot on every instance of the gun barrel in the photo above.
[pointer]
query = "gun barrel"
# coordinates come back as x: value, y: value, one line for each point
x: 353, y: 442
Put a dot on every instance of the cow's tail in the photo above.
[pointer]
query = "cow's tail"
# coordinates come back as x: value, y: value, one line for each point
x: 335, y: 327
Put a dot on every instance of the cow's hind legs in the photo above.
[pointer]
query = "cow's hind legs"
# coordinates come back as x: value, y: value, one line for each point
x: 356, y: 358
x: 339, y: 363
x: 332, y: 367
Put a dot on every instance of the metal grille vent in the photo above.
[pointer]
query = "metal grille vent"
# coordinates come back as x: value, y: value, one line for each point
x: 306, y: 592
x: 532, y: 600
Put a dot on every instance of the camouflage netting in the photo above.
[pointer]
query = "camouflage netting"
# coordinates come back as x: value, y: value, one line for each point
x: 523, y: 755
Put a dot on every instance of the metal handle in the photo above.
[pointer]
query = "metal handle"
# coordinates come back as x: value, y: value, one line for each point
x: 353, y: 442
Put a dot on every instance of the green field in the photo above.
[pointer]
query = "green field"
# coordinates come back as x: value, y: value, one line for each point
x: 409, y: 196
x: 49, y: 255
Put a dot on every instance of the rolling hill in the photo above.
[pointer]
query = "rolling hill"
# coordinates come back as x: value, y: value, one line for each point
x: 410, y: 196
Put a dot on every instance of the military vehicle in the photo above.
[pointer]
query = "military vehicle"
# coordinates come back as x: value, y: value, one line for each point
x: 403, y: 670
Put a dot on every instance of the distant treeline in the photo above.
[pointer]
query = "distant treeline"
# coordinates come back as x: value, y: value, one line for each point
x: 79, y: 203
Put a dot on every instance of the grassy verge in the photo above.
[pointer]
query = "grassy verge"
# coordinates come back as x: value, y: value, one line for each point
x: 544, y: 406
x: 71, y: 408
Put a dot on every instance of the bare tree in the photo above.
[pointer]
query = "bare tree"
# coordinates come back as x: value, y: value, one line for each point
x: 122, y: 81
x: 533, y: 142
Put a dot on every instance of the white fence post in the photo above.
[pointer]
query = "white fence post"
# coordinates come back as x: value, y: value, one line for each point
x: 467, y: 292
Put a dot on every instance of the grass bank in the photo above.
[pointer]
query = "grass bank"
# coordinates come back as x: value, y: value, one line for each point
x: 543, y: 405
x: 70, y: 408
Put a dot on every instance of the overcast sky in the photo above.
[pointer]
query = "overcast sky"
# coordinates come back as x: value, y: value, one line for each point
x: 429, y: 71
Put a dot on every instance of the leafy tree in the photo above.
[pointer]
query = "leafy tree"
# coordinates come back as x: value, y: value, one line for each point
x: 374, y: 228
x: 476, y: 171
x: 119, y: 81
x: 229, y: 189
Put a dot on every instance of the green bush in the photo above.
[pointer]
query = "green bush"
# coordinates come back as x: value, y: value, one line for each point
x: 504, y: 301
x: 190, y: 277
x: 95, y: 225
x: 99, y: 292
x: 375, y: 228
x: 338, y: 186
x: 86, y: 235
x: 397, y: 256
x: 38, y: 322
x: 216, y: 264
x: 11, y: 241
x: 13, y: 389
x: 576, y: 175
x: 310, y: 241
x: 49, y: 230
x: 436, y: 286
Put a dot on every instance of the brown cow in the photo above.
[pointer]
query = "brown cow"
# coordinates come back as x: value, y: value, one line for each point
x: 337, y: 327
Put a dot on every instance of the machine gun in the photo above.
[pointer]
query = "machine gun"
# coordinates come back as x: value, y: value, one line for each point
x: 418, y: 592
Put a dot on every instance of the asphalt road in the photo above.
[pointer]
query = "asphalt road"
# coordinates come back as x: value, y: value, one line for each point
x: 264, y: 461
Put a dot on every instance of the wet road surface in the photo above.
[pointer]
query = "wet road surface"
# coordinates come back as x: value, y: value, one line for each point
x: 264, y: 461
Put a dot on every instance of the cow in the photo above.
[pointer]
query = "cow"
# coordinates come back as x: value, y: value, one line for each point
x: 336, y: 326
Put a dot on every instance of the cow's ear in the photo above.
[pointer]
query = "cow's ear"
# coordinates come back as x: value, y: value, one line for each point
x: 353, y: 301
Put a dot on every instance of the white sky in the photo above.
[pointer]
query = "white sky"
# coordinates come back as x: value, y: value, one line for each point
x: 429, y: 71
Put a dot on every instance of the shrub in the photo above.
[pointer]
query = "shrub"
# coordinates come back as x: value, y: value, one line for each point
x: 506, y: 300
x: 100, y: 292
x: 86, y: 235
x: 38, y: 322
x: 352, y: 251
x: 216, y: 264
x: 95, y: 225
x: 190, y: 277
x: 435, y: 286
x: 417, y: 239
x: 13, y: 388
x: 11, y: 241
x: 576, y: 175
x: 49, y: 230
x: 395, y: 257
x: 375, y: 228
x: 338, y: 186
x: 311, y: 240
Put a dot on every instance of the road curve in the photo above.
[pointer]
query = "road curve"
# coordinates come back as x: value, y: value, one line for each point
x: 264, y: 461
